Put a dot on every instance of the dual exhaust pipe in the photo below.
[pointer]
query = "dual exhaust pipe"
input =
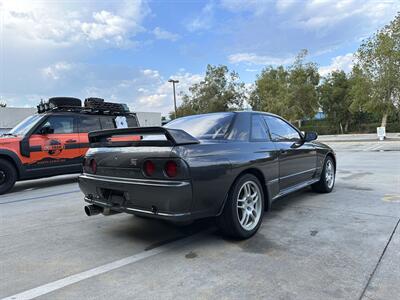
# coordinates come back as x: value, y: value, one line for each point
x: 92, y: 210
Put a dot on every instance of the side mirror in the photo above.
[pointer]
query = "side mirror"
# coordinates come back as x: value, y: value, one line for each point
x: 46, y: 130
x: 310, y: 136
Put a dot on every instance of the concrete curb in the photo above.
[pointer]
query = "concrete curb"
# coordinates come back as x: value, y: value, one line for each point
x: 358, y: 140
x: 366, y: 137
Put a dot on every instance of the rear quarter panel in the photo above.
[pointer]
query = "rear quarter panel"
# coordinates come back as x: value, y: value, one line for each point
x: 215, y: 166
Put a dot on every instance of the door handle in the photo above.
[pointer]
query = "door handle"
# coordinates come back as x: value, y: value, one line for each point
x: 283, y: 151
x: 70, y: 141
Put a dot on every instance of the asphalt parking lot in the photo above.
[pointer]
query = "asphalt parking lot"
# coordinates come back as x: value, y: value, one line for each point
x: 342, y: 245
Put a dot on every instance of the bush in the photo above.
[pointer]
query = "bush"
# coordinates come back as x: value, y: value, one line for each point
x: 323, y: 127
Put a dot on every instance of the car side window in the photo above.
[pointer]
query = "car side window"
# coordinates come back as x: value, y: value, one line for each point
x: 258, y: 129
x: 89, y: 123
x: 60, y: 124
x: 280, y: 130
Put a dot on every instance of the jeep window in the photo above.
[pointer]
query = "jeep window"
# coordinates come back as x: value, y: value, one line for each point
x: 60, y: 124
x: 132, y: 121
x: 89, y: 123
x: 23, y: 127
x: 107, y: 122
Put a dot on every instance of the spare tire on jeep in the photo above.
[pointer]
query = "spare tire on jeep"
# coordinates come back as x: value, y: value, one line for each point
x: 65, y: 102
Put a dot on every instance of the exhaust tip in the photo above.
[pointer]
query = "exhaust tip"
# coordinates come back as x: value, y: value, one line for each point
x: 91, y: 210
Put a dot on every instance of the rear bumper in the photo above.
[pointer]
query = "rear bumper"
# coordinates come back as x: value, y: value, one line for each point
x: 161, y: 199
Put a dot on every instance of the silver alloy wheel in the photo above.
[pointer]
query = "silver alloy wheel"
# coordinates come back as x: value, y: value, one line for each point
x: 329, y: 174
x: 249, y: 205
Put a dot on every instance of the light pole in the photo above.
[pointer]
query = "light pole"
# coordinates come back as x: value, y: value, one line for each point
x: 173, y: 87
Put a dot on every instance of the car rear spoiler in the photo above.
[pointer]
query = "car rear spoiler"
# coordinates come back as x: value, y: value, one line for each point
x: 174, y: 137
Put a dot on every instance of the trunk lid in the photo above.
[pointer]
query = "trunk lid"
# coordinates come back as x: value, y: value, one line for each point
x: 118, y: 152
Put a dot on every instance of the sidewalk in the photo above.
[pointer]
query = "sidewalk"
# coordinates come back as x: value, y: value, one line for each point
x: 357, y: 137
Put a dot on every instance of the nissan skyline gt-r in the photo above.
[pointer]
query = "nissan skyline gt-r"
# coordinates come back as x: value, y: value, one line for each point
x: 229, y: 165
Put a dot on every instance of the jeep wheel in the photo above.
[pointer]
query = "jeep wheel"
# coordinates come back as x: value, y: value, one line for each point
x: 8, y: 176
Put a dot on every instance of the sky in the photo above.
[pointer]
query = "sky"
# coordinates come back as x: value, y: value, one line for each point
x: 125, y: 51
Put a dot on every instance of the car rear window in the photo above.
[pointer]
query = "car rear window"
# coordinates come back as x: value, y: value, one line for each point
x: 209, y: 126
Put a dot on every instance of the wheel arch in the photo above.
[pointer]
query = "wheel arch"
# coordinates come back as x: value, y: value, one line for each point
x: 13, y: 159
x: 260, y: 176
x: 331, y: 155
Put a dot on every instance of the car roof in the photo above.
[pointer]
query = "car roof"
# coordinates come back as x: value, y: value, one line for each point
x: 237, y: 112
x: 256, y: 112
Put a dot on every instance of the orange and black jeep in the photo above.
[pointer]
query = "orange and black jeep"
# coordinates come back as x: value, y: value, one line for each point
x: 54, y: 141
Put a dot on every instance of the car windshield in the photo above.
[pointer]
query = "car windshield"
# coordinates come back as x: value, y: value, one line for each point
x: 208, y: 126
x: 23, y: 127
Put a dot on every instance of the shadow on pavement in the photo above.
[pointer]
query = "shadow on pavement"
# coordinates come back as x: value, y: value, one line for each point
x: 296, y: 197
x: 153, y: 232
x: 43, y: 183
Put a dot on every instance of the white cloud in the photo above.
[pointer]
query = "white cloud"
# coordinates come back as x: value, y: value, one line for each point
x: 257, y: 7
x: 54, y: 71
x: 151, y: 73
x: 162, y: 34
x: 252, y: 58
x: 317, y: 14
x: 283, y: 5
x: 64, y: 23
x: 153, y: 101
x: 160, y: 97
x: 341, y: 62
x: 204, y: 20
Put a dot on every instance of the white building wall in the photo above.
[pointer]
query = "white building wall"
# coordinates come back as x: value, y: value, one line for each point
x: 147, y: 119
x: 11, y: 116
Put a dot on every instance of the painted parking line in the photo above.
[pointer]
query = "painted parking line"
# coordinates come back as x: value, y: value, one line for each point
x: 372, y: 148
x: 61, y: 283
x: 39, y: 197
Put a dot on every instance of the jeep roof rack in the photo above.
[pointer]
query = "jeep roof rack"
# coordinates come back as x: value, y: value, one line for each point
x: 91, y: 106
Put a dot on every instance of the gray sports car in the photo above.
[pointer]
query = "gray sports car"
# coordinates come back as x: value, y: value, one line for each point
x: 229, y: 165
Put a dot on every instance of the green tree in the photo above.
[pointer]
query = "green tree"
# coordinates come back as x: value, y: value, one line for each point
x: 221, y: 90
x: 290, y: 92
x: 303, y: 92
x: 377, y: 72
x: 335, y: 99
x: 271, y: 91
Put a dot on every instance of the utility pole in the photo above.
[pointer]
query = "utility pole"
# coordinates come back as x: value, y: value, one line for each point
x: 173, y: 87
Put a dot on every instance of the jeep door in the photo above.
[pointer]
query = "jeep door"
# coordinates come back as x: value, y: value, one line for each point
x: 54, y: 144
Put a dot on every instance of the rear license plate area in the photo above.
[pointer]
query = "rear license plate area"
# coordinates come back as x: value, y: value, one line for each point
x: 114, y: 197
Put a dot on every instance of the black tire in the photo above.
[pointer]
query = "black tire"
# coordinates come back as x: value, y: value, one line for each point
x: 228, y: 221
x: 8, y: 176
x: 323, y: 185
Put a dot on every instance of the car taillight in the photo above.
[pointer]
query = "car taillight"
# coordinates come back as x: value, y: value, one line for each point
x: 93, y: 166
x: 149, y: 168
x: 171, y: 168
x: 86, y: 165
